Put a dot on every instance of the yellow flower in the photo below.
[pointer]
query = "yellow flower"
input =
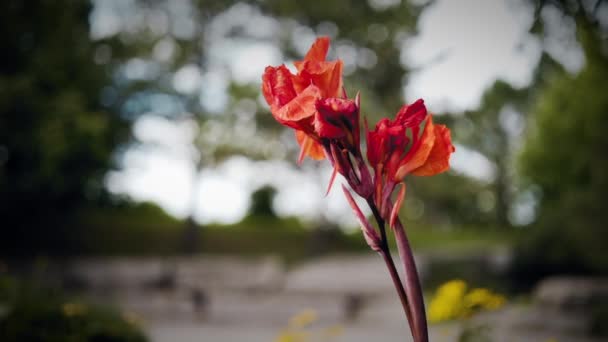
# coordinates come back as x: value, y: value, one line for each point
x: 452, y: 301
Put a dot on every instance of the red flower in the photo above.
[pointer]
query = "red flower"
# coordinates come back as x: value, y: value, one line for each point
x: 393, y: 153
x: 293, y: 98
x: 338, y: 119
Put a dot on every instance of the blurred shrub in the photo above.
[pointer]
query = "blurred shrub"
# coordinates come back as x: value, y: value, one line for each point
x: 261, y: 202
x: 453, y: 301
x: 56, y: 135
x: 46, y: 316
x: 565, y: 157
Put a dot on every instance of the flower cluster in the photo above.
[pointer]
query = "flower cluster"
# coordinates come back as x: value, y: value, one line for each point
x: 314, y: 103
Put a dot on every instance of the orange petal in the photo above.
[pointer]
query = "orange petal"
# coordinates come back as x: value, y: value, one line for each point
x: 317, y: 52
x: 301, y: 107
x: 439, y: 158
x: 309, y: 147
x: 325, y: 75
x: 418, y: 155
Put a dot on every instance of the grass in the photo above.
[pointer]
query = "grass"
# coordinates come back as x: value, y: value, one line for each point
x: 460, y: 239
x: 111, y: 232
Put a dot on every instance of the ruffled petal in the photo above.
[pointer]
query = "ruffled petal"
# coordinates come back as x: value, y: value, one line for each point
x: 439, y: 158
x: 325, y: 75
x: 299, y: 108
x: 277, y: 86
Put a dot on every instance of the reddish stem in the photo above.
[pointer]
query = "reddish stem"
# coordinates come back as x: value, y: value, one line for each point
x: 412, y: 286
x: 390, y: 264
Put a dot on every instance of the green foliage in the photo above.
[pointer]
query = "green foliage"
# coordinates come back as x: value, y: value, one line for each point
x: 144, y: 229
x: 261, y: 202
x: 486, y: 130
x: 448, y: 199
x: 56, y: 137
x: 47, y: 316
x: 565, y: 157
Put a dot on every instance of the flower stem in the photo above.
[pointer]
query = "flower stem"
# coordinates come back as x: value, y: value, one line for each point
x: 390, y: 264
x: 412, y: 283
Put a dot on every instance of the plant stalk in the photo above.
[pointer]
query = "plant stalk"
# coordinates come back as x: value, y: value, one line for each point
x: 390, y: 264
x: 412, y: 286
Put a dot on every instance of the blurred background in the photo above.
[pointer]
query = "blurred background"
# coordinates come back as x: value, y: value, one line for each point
x: 146, y: 193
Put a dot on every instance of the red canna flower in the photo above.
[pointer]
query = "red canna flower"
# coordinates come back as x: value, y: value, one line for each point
x: 314, y: 103
x: 292, y: 98
x: 337, y: 123
x: 338, y: 119
x: 396, y: 149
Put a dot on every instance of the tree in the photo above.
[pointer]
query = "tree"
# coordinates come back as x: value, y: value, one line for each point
x: 565, y: 157
x: 369, y: 38
x: 56, y: 134
x: 261, y: 202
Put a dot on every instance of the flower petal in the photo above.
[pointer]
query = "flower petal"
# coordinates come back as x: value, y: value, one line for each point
x: 439, y: 158
x: 336, y: 117
x: 412, y: 115
x: 325, y: 75
x: 318, y: 50
x: 309, y: 147
x: 277, y: 86
x: 419, y: 153
x: 300, y: 107
x: 376, y: 141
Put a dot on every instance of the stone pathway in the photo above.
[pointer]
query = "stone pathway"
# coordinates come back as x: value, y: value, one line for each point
x: 225, y: 299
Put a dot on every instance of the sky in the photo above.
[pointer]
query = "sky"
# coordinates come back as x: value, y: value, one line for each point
x: 463, y: 46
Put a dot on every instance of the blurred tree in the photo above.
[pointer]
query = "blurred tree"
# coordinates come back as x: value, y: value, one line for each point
x: 496, y: 123
x: 187, y: 49
x: 565, y: 157
x: 261, y: 202
x: 56, y: 134
x: 494, y: 130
